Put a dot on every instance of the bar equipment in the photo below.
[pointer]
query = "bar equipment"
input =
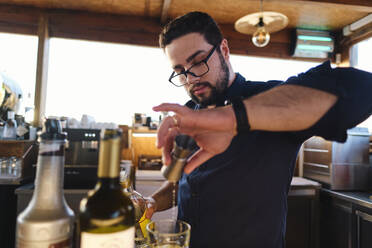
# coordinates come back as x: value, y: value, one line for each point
x: 339, y: 166
x: 184, y: 147
x: 81, y: 157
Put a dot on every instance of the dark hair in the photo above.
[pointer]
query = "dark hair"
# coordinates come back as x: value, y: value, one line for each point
x: 193, y: 22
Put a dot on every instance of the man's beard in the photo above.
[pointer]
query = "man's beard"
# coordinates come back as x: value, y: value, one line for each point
x: 217, y: 91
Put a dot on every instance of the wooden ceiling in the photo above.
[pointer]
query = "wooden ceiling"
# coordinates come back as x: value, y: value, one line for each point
x: 135, y: 18
x: 329, y: 15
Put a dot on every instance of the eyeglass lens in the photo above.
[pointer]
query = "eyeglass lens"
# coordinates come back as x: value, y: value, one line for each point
x: 196, y: 70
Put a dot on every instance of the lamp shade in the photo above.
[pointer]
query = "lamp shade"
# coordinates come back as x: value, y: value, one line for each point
x: 273, y: 21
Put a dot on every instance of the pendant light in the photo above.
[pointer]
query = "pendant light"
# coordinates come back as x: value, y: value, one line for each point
x: 261, y: 37
x: 260, y: 25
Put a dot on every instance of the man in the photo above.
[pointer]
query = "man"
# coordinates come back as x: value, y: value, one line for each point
x: 234, y: 189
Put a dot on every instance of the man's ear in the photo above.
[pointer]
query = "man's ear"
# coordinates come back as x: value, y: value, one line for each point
x: 225, y: 51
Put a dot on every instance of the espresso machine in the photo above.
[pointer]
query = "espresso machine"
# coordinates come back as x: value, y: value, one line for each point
x: 81, y: 158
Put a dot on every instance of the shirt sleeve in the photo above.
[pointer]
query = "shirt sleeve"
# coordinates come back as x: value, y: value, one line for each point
x: 353, y: 88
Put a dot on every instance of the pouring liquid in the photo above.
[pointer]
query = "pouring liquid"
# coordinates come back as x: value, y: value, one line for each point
x: 174, y: 214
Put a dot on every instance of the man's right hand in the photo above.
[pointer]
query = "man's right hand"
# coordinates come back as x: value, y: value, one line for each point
x: 212, y: 129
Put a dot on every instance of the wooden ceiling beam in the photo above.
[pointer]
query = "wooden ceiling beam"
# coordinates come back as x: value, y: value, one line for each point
x: 20, y: 20
x: 361, y: 5
x: 133, y: 30
x: 137, y: 30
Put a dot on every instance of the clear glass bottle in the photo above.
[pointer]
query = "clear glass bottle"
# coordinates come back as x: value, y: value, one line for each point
x: 47, y: 221
x: 107, y: 214
x: 10, y: 127
x: 127, y: 180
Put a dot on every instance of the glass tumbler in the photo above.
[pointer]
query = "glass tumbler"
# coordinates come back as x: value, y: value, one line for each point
x: 168, y: 233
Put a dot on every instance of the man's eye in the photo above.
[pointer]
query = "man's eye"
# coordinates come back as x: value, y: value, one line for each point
x: 179, y: 71
x: 197, y: 64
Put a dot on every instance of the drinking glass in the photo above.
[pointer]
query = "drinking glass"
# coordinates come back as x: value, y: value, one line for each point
x: 168, y: 233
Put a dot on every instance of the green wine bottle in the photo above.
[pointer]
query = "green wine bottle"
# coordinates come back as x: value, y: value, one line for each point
x: 106, y: 216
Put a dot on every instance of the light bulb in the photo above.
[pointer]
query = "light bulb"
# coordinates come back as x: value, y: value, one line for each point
x: 261, y: 37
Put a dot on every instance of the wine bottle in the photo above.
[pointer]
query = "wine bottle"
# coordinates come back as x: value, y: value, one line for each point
x: 106, y: 216
x: 47, y: 221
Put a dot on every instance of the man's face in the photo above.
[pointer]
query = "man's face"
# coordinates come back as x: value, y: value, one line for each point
x: 190, y: 49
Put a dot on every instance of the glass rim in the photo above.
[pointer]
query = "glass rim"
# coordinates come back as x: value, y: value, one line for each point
x: 167, y: 233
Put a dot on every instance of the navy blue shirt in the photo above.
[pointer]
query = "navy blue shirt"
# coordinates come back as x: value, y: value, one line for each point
x: 239, y: 197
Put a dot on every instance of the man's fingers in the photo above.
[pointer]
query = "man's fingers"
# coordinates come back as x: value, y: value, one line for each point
x: 196, y: 160
x: 150, y: 207
x: 163, y: 131
x: 149, y: 213
x: 169, y: 107
x: 168, y: 145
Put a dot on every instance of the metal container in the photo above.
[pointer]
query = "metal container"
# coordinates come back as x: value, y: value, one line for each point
x: 339, y: 166
x: 184, y: 147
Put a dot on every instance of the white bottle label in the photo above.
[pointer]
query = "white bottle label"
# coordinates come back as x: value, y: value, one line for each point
x: 65, y: 243
x: 122, y: 239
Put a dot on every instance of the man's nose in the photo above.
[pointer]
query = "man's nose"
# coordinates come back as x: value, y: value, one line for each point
x: 191, y: 79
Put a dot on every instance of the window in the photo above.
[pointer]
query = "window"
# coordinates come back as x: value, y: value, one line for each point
x: 18, y: 62
x: 111, y: 81
x: 264, y: 69
x: 108, y: 81
x: 361, y: 55
x: 361, y: 59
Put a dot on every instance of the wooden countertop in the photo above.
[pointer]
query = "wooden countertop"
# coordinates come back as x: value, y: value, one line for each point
x: 143, y: 130
x: 301, y: 182
x: 303, y: 187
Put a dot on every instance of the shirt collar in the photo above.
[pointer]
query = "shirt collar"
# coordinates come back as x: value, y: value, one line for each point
x: 236, y: 87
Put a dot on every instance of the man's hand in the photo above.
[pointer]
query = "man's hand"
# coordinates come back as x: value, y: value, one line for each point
x: 210, y: 129
x: 150, y: 207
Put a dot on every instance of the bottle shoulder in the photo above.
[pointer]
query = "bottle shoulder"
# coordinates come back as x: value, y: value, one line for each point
x: 101, y: 210
x: 105, y: 203
x: 46, y: 215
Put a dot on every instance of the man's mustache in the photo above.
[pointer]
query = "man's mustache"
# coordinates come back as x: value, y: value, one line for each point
x: 207, y: 84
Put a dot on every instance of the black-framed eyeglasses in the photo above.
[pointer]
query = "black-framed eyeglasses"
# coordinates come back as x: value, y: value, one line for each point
x: 196, y: 70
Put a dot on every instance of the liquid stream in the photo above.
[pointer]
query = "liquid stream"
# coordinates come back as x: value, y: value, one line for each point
x: 174, y: 202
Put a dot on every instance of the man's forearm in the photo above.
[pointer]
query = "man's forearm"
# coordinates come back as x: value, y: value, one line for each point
x: 288, y: 108
x: 164, y: 196
x: 283, y: 108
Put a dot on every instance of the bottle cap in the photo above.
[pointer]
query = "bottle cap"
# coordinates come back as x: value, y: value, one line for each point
x: 52, y: 130
x: 11, y: 115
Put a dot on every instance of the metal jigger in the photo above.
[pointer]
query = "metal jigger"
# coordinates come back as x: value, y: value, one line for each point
x: 184, y: 147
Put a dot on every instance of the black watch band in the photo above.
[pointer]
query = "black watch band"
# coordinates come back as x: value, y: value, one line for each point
x: 240, y: 112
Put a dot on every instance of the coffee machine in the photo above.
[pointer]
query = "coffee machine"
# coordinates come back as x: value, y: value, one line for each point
x: 81, y: 158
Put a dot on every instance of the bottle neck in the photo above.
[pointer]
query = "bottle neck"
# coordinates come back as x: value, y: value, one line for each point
x: 108, y: 183
x: 48, y: 192
x: 109, y: 158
